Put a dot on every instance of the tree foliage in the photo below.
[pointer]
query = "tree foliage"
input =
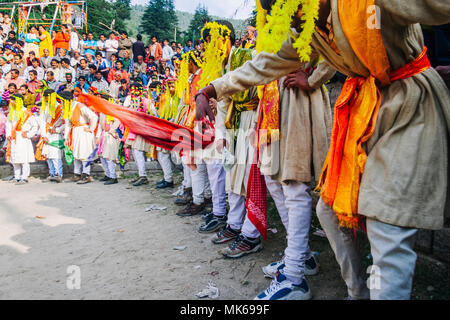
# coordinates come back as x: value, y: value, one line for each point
x: 199, y: 19
x: 159, y: 19
x: 105, y: 12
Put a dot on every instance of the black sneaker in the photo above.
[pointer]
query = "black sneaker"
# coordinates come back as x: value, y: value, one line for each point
x: 141, y: 181
x: 191, y: 210
x: 164, y: 185
x: 104, y: 179
x: 111, y: 181
x: 214, y: 224
x: 207, y: 216
x: 135, y: 180
x: 225, y: 235
x: 242, y: 246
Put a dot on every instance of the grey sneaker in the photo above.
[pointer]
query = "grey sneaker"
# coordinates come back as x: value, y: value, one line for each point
x: 225, y: 235
x: 213, y: 224
x: 242, y: 246
x: 271, y: 270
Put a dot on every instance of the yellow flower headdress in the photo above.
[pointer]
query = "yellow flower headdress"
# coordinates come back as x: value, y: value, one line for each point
x: 170, y: 107
x: 67, y: 104
x: 183, y: 77
x: 18, y: 109
x: 215, y: 52
x: 273, y: 28
x: 50, y: 101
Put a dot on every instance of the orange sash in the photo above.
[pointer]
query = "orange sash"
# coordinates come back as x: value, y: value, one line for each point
x: 76, y: 115
x: 18, y: 127
x: 40, y: 145
x: 193, y: 90
x: 356, y: 111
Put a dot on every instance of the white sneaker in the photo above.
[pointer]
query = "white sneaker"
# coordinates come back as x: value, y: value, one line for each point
x: 271, y: 270
x: 283, y: 289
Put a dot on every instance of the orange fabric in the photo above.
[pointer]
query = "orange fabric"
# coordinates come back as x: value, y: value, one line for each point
x: 62, y: 40
x: 76, y: 114
x: 18, y: 127
x: 270, y: 116
x: 356, y: 112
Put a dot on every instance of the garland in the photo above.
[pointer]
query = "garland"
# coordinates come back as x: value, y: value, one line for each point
x: 51, y: 103
x: 170, y: 105
x: 18, y: 109
x: 273, y: 28
x: 215, y: 52
x: 183, y: 79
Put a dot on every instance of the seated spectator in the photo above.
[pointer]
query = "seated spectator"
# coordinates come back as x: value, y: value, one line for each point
x: 13, y: 42
x: 127, y: 62
x: 4, y: 65
x: 123, y: 91
x: 140, y: 69
x: 92, y: 71
x: 31, y: 56
x: 15, y: 78
x: 36, y: 67
x: 62, y: 38
x: 19, y: 64
x: 56, y: 69
x: 75, y: 60
x: 8, y: 93
x: 102, y: 65
x: 82, y: 84
x: 33, y: 82
x: 9, y: 54
x: 66, y: 68
x: 178, y: 53
x: 114, y: 86
x: 69, y: 85
x: 118, y: 69
x: 46, y: 59
x: 29, y: 97
x: 125, y: 44
x: 3, y: 85
x: 100, y: 83
x: 89, y: 58
x: 113, y: 61
x: 151, y: 66
x: 52, y: 82
x: 61, y: 54
x: 83, y: 69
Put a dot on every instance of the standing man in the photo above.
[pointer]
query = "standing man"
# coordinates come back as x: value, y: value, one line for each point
x: 125, y: 44
x: 138, y: 48
x: 111, y: 46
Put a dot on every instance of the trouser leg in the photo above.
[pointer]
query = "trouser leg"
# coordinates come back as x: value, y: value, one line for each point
x: 17, y: 170
x: 187, y: 181
x: 199, y: 177
x: 277, y: 194
x: 25, y: 171
x: 77, y: 166
x: 51, y: 167
x: 104, y: 163
x: 236, y: 214
x: 249, y: 230
x: 58, y: 165
x: 112, y: 169
x: 166, y: 165
x: 298, y: 201
x: 86, y: 169
x: 217, y: 176
x: 346, y: 251
x: 139, y: 158
x: 394, y: 260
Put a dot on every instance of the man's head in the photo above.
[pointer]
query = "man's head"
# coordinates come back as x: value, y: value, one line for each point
x: 69, y: 77
x: 119, y: 65
x: 98, y: 56
x: 88, y: 56
x: 140, y: 59
x: 98, y: 76
x: 154, y: 39
x: 151, y: 59
x: 62, y: 52
x: 166, y: 42
x: 114, y: 57
x: 124, y: 35
x: 126, y: 54
x: 11, y: 35
x: 46, y: 52
x: 139, y: 37
x: 171, y: 86
x: 112, y: 36
x: 14, y: 74
x: 3, y: 61
x: 17, y: 59
x: 189, y: 43
x: 90, y: 36
x: 117, y: 76
x: 23, y: 89
x: 32, y: 75
x: 250, y: 32
x: 50, y: 76
x: 82, y: 81
x: 12, y: 88
x: 102, y: 37
x: 92, y: 69
x: 83, y: 63
x: 76, y: 54
x: 65, y: 62
x: 35, y: 63
x: 173, y: 45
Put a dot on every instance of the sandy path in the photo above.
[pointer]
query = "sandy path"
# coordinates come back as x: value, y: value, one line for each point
x: 122, y: 251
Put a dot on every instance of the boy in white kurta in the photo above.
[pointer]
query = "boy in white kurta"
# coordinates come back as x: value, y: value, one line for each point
x: 52, y: 130
x: 80, y: 138
x: 20, y: 128
x: 109, y: 142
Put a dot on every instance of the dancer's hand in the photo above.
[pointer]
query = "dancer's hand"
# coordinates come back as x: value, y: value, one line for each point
x: 203, y: 108
x: 24, y: 134
x: 297, y: 79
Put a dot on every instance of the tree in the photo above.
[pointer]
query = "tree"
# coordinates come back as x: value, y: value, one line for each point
x: 251, y: 21
x: 159, y: 19
x: 105, y: 12
x: 201, y: 16
x: 121, y: 11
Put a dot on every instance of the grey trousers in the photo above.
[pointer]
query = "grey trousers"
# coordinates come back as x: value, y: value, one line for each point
x: 394, y: 259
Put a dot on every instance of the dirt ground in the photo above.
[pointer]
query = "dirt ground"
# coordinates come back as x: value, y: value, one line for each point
x: 124, y: 252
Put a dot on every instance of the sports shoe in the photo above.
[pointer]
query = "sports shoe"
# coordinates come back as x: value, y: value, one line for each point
x: 190, y: 210
x: 271, y: 270
x: 164, y: 185
x: 225, y: 235
x: 85, y: 179
x: 76, y: 178
x: 57, y: 179
x: 111, y: 181
x: 185, y: 198
x: 207, y: 216
x: 21, y: 181
x: 49, y: 178
x: 241, y: 247
x: 135, y: 180
x: 213, y: 224
x: 283, y: 289
x: 141, y: 181
x: 104, y: 179
x: 160, y: 181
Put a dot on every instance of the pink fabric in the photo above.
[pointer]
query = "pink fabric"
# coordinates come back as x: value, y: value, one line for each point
x: 3, y: 120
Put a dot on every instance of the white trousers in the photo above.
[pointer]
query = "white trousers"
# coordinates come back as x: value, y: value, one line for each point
x: 392, y: 251
x: 139, y: 159
x: 201, y: 187
x: 217, y: 176
x: 293, y: 202
x: 110, y: 168
x: 237, y: 217
x: 166, y: 164
x: 21, y: 171
x: 80, y: 167
x: 187, y: 181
